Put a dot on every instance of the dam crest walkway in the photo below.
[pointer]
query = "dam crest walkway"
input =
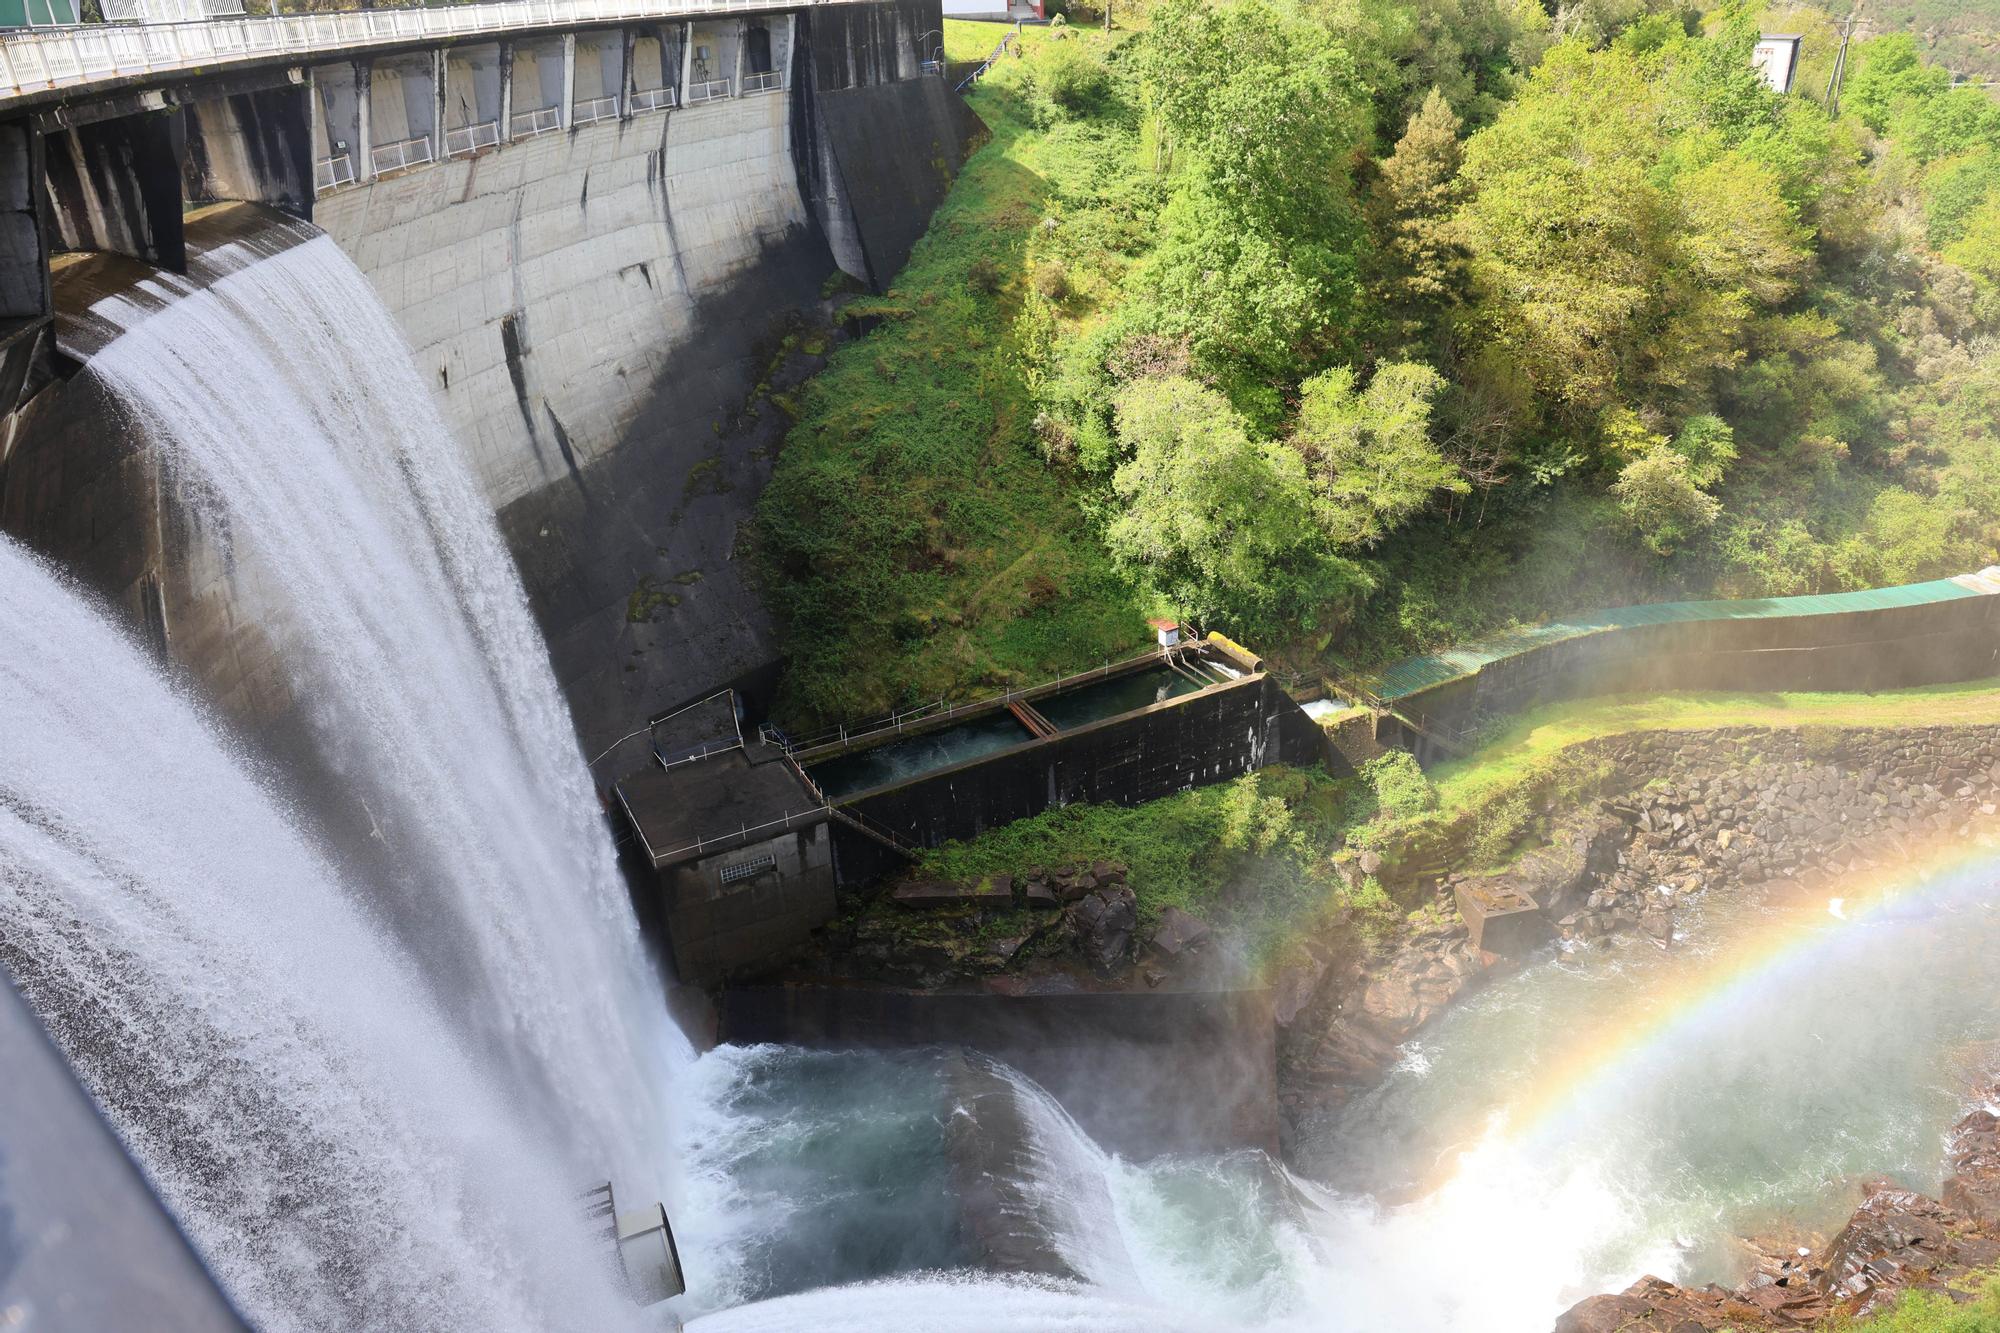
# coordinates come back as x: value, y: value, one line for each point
x: 101, y: 55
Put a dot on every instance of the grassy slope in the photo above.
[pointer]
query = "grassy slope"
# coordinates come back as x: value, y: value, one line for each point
x: 1537, y: 736
x: 917, y: 545
x: 1254, y: 854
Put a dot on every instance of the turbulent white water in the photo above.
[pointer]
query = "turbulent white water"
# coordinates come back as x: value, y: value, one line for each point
x: 332, y: 1146
x: 374, y: 1100
x: 1850, y: 1060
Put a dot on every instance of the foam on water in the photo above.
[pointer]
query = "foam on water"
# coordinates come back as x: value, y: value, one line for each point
x: 373, y: 1100
x: 333, y: 1147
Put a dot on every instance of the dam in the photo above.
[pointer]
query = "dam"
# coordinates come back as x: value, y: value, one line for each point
x: 421, y: 907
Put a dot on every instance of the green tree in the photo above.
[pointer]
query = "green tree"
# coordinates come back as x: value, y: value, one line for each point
x: 1891, y: 72
x: 1223, y: 526
x: 1420, y: 268
x: 1617, y: 258
x: 1370, y: 454
x: 1659, y: 497
x: 1265, y: 110
x: 1953, y: 122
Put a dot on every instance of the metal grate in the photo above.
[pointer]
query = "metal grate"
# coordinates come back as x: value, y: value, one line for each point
x: 736, y: 874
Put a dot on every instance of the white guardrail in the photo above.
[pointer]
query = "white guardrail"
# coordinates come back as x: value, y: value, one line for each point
x: 471, y: 138
x: 593, y: 109
x: 652, y: 99
x: 388, y: 157
x: 331, y: 173
x: 543, y: 119
x: 35, y: 59
x: 767, y: 82
x: 707, y: 90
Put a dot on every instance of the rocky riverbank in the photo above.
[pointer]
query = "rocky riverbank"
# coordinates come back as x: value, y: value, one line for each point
x: 1896, y: 1241
x: 1671, y: 815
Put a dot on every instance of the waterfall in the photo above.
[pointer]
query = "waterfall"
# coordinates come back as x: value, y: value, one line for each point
x: 372, y: 1100
x: 275, y: 1064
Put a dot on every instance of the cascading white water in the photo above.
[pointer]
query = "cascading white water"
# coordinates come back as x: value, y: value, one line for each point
x: 499, y: 948
x: 288, y: 406
x: 336, y: 1152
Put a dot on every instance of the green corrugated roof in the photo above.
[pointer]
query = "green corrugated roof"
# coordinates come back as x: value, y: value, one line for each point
x: 1420, y: 673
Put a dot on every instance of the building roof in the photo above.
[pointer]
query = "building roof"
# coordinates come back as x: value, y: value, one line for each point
x: 705, y: 806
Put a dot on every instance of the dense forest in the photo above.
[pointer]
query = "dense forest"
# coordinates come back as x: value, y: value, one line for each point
x: 1356, y: 328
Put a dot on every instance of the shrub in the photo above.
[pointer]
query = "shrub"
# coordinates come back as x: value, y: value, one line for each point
x: 1401, y: 789
x: 1067, y: 80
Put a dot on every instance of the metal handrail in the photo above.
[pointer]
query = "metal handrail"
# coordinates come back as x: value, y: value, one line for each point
x: 1005, y: 41
x: 471, y: 138
x: 331, y: 173
x: 652, y: 99
x: 594, y: 109
x: 527, y: 124
x: 34, y: 59
x: 769, y: 81
x: 412, y: 152
x: 702, y: 844
x: 151, y: 11
x: 937, y: 711
x: 707, y: 90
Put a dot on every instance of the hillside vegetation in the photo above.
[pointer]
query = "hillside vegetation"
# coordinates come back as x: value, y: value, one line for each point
x: 1356, y: 328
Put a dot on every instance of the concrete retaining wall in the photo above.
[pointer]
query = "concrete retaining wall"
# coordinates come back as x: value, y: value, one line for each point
x: 1888, y: 648
x: 1169, y: 747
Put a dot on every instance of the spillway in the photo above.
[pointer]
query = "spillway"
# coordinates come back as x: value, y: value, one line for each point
x: 372, y: 1097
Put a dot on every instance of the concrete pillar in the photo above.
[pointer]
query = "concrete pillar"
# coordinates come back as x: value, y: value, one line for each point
x: 569, y: 79
x: 742, y: 39
x: 437, y: 104
x: 631, y: 39
x: 506, y: 92
x: 687, y: 61
x: 364, y: 130
x: 317, y: 135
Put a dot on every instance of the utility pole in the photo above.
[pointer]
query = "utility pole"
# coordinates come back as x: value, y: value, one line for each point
x: 1834, y: 80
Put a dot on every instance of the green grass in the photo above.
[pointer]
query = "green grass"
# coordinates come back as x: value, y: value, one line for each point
x: 1932, y: 1312
x: 1249, y: 855
x: 914, y: 542
x: 1527, y: 743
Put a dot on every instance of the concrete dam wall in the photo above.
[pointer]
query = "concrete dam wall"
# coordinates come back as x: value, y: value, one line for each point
x: 595, y: 244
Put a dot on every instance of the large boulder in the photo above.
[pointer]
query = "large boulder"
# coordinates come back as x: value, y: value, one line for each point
x: 1974, y: 1187
x: 1421, y: 979
x: 1651, y: 1305
x: 1179, y: 933
x: 1105, y: 921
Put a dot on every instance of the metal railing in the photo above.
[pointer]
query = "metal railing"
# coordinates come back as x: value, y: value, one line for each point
x: 527, y: 124
x: 652, y: 99
x: 592, y: 110
x: 471, y: 138
x: 387, y: 157
x: 768, y: 81
x: 332, y: 173
x: 707, y: 90
x: 169, y: 11
x: 35, y: 59
x: 937, y: 711
x: 741, y: 835
x: 1005, y: 42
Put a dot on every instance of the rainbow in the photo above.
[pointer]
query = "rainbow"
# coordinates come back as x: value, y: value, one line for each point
x: 1729, y: 979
